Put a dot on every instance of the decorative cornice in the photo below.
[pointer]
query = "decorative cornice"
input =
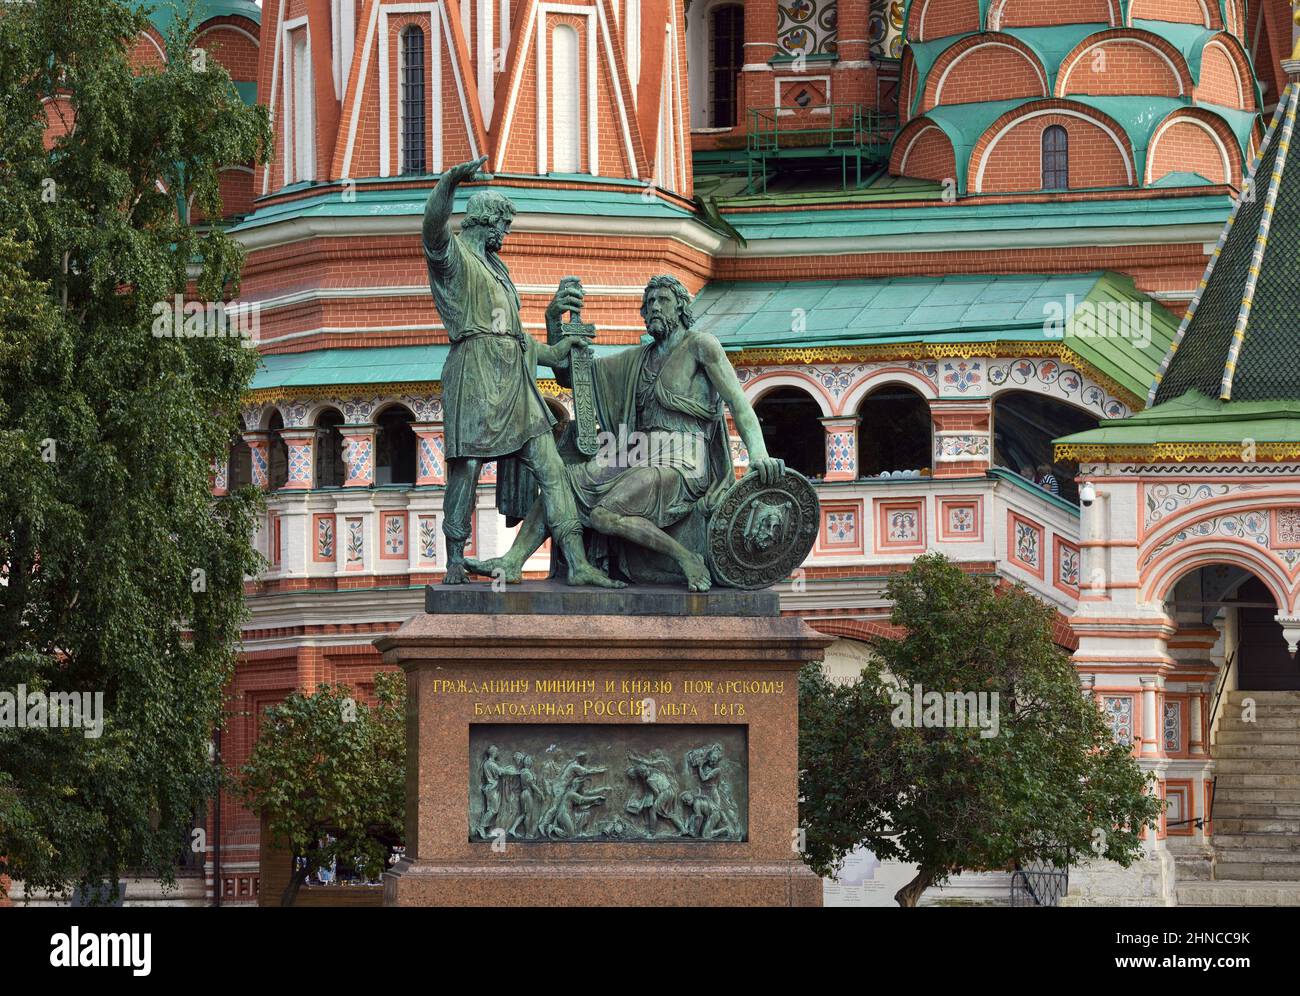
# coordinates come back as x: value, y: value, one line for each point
x: 758, y: 357
x: 270, y: 395
x: 932, y: 351
x: 1175, y: 452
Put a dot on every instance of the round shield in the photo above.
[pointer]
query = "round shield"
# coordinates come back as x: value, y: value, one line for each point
x: 759, y: 533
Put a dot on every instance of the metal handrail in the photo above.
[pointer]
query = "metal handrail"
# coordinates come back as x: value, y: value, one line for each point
x: 1223, y: 680
x: 847, y: 126
x: 1046, y: 885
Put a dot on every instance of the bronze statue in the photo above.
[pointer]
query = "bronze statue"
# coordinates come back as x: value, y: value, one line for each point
x: 662, y: 404
x: 492, y: 408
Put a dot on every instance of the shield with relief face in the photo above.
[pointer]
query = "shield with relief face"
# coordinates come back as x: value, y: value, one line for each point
x: 759, y: 533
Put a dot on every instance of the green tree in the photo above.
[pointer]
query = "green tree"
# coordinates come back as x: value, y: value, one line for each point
x: 1051, y: 783
x: 121, y: 574
x: 329, y: 774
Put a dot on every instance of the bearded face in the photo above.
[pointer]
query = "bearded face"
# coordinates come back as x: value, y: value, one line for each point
x: 496, y: 235
x: 662, y: 315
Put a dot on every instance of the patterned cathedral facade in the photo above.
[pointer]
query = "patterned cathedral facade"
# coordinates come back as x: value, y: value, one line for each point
x: 949, y: 246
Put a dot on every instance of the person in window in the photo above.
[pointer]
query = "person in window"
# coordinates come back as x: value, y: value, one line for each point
x: 1047, y: 480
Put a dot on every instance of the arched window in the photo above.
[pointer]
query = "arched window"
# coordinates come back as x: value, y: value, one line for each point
x: 726, y: 57
x: 330, y: 471
x: 412, y: 101
x: 395, y: 445
x: 895, y: 432
x: 1024, y: 428
x: 792, y: 431
x: 566, y: 118
x: 1056, y: 158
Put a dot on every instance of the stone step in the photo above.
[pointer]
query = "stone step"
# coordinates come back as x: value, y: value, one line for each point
x: 1225, y: 842
x: 1225, y: 766
x: 1253, y: 870
x: 1250, y: 823
x: 1238, y: 893
x: 1227, y: 792
x: 1254, y: 736
x: 1248, y: 751
x: 1264, y: 720
x: 1276, y: 856
x: 1255, y: 810
x: 1284, y: 696
x: 1264, y: 777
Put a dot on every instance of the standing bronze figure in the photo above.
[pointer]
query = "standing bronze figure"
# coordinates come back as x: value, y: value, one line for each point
x: 492, y: 407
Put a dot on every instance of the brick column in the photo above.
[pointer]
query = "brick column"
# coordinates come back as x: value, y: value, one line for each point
x: 853, y: 75
x: 259, y: 454
x: 841, y: 448
x: 359, y: 454
x: 430, y: 466
x: 754, y: 88
x: 301, y: 446
x: 760, y: 31
x: 963, y: 445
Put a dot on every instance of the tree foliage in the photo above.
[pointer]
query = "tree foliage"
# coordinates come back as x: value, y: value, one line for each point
x: 329, y: 774
x: 121, y: 575
x: 1051, y: 785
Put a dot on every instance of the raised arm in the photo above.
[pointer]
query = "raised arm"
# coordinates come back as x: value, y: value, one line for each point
x: 437, y: 210
x: 723, y: 377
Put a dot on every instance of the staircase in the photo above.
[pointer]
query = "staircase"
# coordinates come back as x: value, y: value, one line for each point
x: 1256, y: 806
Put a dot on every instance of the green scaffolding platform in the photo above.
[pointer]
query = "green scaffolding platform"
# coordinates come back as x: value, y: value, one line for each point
x: 851, y: 133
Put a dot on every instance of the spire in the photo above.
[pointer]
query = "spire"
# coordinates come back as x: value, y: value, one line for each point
x: 1240, y: 338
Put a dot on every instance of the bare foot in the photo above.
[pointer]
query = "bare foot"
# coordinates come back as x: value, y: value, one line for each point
x: 455, y: 574
x: 697, y: 573
x: 497, y: 567
x: 585, y: 574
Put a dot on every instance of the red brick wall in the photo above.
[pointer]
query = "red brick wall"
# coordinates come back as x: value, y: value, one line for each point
x: 225, y: 41
x: 1036, y: 13
x: 59, y: 119
x: 1176, y: 267
x: 1120, y: 66
x: 1185, y: 146
x: 1015, y: 162
x: 145, y: 52
x: 928, y: 154
x: 940, y: 18
x: 1225, y: 78
x: 980, y: 69
x: 907, y: 85
x: 1204, y: 12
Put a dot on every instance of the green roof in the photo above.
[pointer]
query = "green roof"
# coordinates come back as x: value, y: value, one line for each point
x: 382, y: 203
x: 1194, y: 418
x: 991, y: 216
x: 164, y: 13
x: 363, y: 365
x: 972, y: 310
x: 1240, y: 338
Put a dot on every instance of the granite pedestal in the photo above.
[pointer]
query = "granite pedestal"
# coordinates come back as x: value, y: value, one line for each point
x: 639, y: 674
